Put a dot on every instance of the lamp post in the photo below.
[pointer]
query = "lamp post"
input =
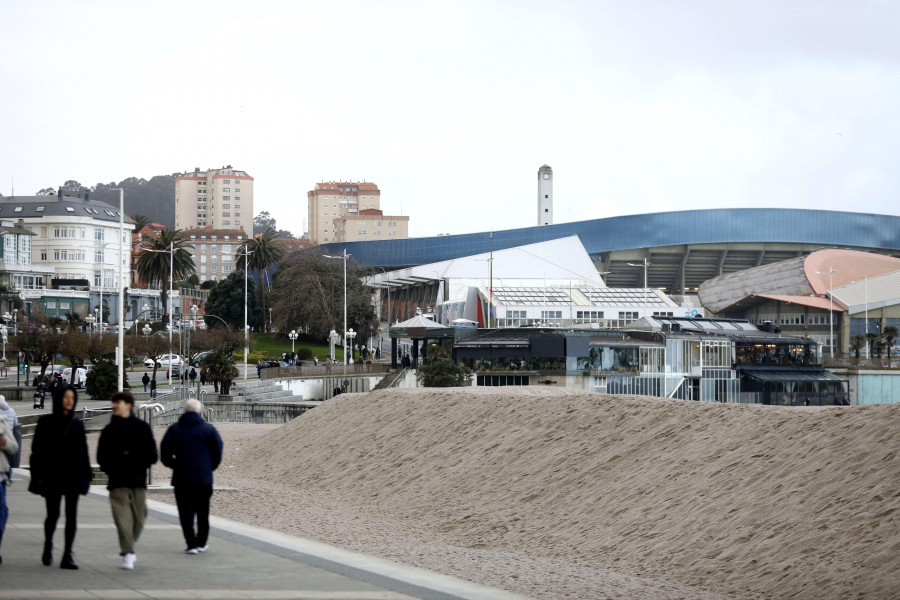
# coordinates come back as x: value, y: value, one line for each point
x: 146, y: 330
x: 171, y: 253
x: 194, y: 310
x: 247, y: 252
x: 4, y: 331
x: 293, y: 335
x: 645, y: 263
x: 120, y: 304
x: 15, y: 320
x: 350, y: 336
x: 830, y: 272
x: 344, y: 256
x: 144, y: 308
x: 90, y: 321
x: 866, y: 280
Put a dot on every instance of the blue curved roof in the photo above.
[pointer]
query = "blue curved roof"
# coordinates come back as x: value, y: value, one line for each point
x: 725, y: 225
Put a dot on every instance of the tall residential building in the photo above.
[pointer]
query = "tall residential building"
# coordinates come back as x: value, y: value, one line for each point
x: 370, y: 224
x: 545, y: 196
x: 214, y: 251
x: 218, y: 198
x: 332, y: 200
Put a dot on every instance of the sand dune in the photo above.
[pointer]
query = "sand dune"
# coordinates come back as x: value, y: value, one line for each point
x: 745, y: 501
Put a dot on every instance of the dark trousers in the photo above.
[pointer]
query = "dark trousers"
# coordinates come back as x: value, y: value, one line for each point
x: 53, y: 501
x: 193, y: 500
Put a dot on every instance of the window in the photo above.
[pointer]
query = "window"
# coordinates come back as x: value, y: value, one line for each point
x: 226, y: 214
x: 627, y: 315
x: 226, y: 181
x: 237, y: 198
x: 551, y: 314
x: 226, y: 198
x: 39, y: 209
x: 237, y: 189
x: 70, y: 209
x: 17, y: 209
x: 226, y: 206
x: 226, y: 222
x: 226, y: 189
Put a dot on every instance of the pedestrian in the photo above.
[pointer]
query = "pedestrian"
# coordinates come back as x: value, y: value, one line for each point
x: 145, y: 380
x: 153, y: 388
x: 193, y: 375
x: 39, y: 394
x: 7, y: 410
x: 336, y: 391
x: 192, y: 448
x: 203, y: 376
x: 60, y: 468
x: 125, y: 451
x: 315, y: 360
x: 8, y: 447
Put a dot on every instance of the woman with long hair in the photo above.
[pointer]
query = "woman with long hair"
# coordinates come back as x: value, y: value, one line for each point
x: 60, y: 468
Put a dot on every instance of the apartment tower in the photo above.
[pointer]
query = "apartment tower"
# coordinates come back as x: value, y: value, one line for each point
x: 334, y: 199
x: 217, y: 198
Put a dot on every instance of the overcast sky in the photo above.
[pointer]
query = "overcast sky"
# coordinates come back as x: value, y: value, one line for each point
x: 451, y: 108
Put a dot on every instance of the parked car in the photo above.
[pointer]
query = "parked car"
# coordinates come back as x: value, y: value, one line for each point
x: 166, y: 360
x: 199, y: 358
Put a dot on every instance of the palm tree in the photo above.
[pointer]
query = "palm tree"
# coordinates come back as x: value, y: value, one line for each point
x: 153, y: 264
x: 140, y: 221
x: 890, y: 334
x: 264, y: 252
x: 856, y: 344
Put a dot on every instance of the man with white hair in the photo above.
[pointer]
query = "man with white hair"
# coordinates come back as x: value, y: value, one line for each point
x: 192, y: 448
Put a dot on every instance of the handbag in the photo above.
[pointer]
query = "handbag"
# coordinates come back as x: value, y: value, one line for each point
x: 36, y: 485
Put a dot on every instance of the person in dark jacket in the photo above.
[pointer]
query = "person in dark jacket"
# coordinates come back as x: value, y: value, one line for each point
x: 60, y: 467
x: 192, y: 448
x: 125, y: 452
x: 145, y: 380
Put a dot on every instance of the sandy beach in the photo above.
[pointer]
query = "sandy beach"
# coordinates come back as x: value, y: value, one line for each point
x: 566, y: 494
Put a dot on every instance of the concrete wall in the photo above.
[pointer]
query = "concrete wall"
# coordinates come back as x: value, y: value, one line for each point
x: 873, y: 387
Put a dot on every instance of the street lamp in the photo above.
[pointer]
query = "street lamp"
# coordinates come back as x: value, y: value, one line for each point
x: 90, y: 321
x: 247, y: 252
x: 293, y: 335
x: 171, y: 253
x: 830, y: 272
x: 146, y: 329
x: 194, y: 310
x: 344, y: 256
x: 350, y: 336
x: 645, y: 264
x: 15, y: 321
x: 144, y: 308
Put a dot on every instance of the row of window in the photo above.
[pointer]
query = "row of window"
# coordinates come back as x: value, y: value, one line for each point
x: 214, y: 269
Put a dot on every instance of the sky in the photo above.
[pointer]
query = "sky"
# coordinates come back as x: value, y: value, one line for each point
x: 639, y: 106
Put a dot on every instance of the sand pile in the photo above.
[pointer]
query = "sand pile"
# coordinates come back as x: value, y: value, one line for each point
x: 745, y: 501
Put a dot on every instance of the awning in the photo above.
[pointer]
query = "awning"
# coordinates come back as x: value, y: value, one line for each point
x: 792, y: 376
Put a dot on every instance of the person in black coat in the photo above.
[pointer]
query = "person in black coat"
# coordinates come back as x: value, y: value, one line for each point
x: 192, y: 448
x: 60, y: 467
x: 125, y: 451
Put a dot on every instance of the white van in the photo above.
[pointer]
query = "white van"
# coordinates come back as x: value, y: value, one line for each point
x: 80, y: 376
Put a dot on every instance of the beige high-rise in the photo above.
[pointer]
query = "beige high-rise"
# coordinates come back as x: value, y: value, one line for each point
x: 334, y: 199
x: 217, y: 198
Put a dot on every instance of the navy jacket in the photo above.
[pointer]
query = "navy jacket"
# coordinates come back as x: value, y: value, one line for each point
x: 192, y: 448
x: 125, y: 452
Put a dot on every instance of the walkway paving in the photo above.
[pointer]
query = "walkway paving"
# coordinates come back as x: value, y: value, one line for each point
x: 242, y: 562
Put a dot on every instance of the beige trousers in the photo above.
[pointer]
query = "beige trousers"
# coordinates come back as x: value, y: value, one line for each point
x: 129, y: 509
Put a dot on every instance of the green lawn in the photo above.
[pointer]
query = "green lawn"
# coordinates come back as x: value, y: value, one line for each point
x: 274, y: 344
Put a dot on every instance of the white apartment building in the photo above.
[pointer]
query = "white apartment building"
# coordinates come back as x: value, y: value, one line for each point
x: 332, y: 200
x: 217, y: 198
x: 214, y: 251
x: 73, y: 257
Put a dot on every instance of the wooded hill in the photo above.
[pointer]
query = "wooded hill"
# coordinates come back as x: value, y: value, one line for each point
x: 153, y: 198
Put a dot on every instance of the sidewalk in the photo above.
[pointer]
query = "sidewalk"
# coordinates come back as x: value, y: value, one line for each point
x: 242, y: 562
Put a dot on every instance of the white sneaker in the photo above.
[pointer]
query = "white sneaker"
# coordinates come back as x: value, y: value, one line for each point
x: 191, y: 551
x: 128, y: 561
x: 203, y: 548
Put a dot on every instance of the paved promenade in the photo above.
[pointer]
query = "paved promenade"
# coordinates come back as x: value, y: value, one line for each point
x: 242, y: 562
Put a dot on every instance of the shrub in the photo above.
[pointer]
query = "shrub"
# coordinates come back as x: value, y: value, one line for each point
x: 304, y: 353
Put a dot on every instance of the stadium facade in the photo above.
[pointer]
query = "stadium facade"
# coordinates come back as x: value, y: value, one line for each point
x: 682, y: 249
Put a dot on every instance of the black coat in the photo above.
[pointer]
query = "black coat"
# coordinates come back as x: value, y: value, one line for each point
x: 59, y: 454
x: 125, y: 452
x: 192, y: 448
